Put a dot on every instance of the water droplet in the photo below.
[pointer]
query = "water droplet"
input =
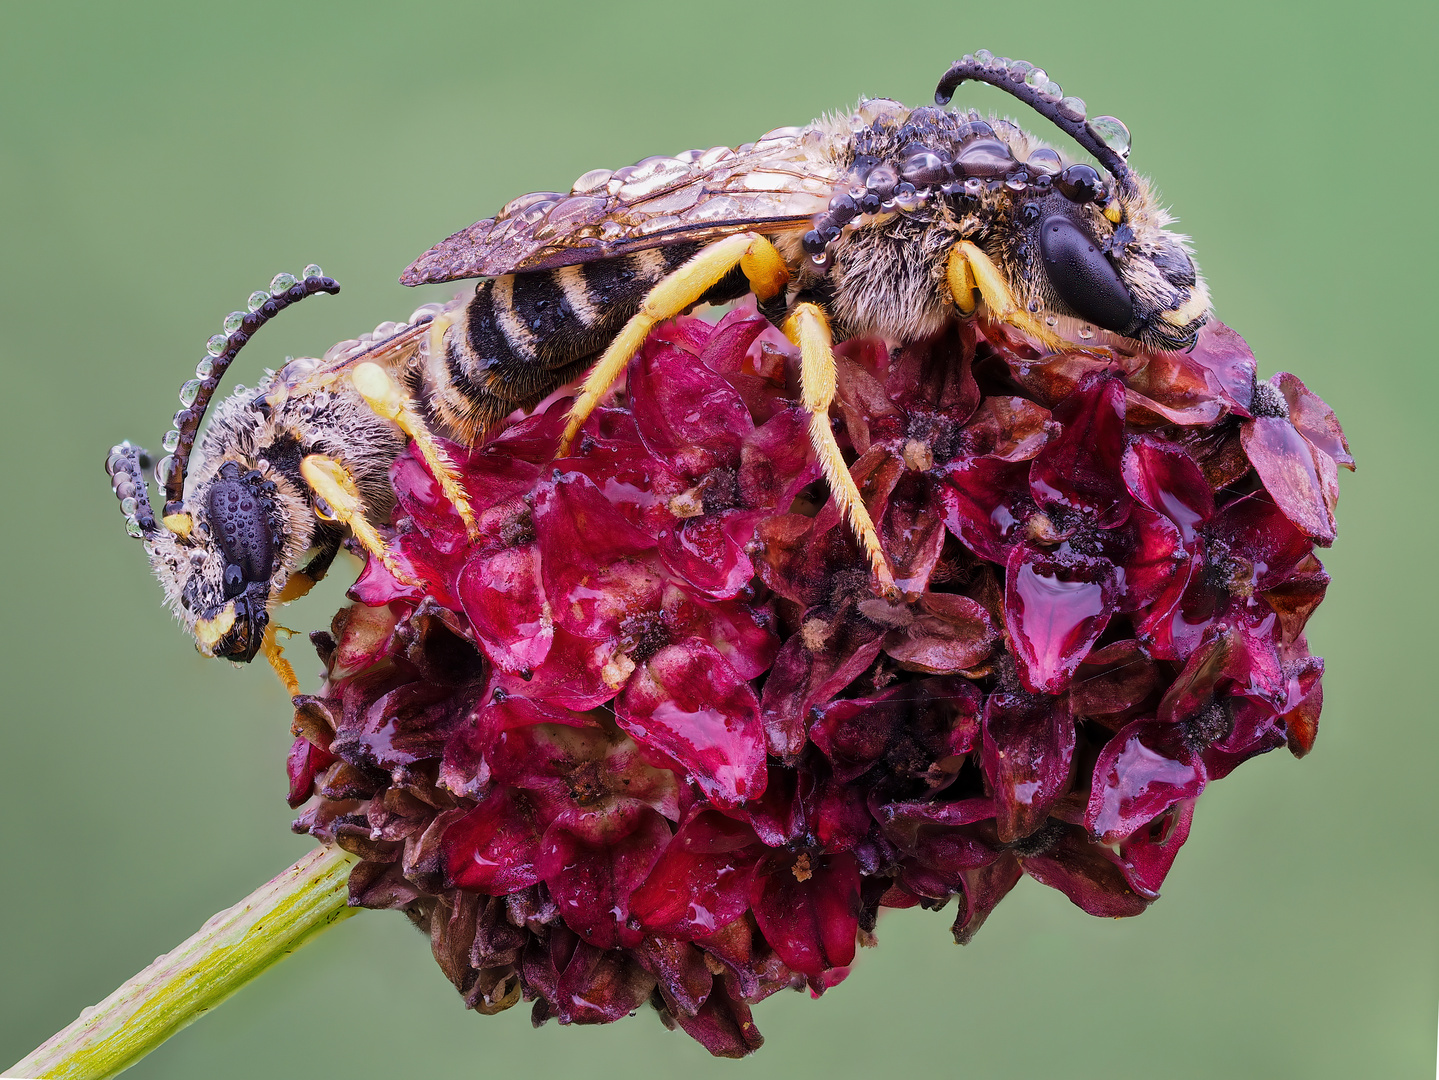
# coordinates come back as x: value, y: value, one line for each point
x: 234, y: 321
x: 203, y: 368
x: 1052, y: 90
x: 181, y: 418
x: 281, y: 284
x: 188, y: 392
x: 163, y: 468
x: 1086, y: 332
x: 313, y: 271
x: 216, y: 345
x: 984, y: 56
x: 118, y: 447
x: 128, y: 507
x: 170, y: 441
x: 1072, y: 107
x: 1037, y: 78
x: 132, y: 526
x: 1111, y: 131
x: 1051, y: 320
x: 149, y: 546
x: 240, y: 388
x: 257, y: 300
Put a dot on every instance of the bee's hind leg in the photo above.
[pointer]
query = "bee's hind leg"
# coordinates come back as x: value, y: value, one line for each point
x: 970, y: 269
x: 808, y: 327
x: 275, y: 654
x: 680, y: 289
x: 384, y: 394
x: 330, y: 480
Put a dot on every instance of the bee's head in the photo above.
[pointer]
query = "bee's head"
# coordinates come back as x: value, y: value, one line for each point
x: 1112, y: 262
x: 1106, y: 254
x: 223, y: 549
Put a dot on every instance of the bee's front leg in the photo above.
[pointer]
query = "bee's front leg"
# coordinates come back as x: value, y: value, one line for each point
x: 971, y: 270
x: 332, y: 482
x: 673, y: 294
x: 808, y: 327
x: 386, y: 397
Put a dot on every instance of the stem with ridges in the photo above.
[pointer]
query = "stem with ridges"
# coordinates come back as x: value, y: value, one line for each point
x: 232, y: 948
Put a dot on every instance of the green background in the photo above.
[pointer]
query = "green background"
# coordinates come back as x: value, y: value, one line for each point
x: 160, y: 161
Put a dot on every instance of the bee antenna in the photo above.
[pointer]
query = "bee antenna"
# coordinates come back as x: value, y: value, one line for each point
x: 126, y: 466
x: 1104, y: 137
x: 223, y: 348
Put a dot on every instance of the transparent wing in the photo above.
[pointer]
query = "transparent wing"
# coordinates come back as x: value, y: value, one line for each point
x: 780, y: 181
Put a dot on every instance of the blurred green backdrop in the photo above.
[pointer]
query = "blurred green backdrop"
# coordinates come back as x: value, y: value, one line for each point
x: 158, y: 161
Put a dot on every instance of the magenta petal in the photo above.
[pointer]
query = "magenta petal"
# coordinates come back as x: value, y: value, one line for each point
x: 723, y: 1025
x: 802, y: 678
x: 493, y: 848
x: 1080, y: 470
x: 691, y: 706
x: 576, y: 674
x: 597, y: 568
x: 600, y: 986
x: 679, y: 403
x: 1229, y: 362
x: 1142, y: 771
x: 1027, y: 755
x: 1087, y: 872
x: 1285, y: 463
x: 506, y: 606
x: 950, y: 633
x: 592, y: 883
x: 1313, y: 419
x: 1166, y: 479
x: 706, y: 552
x: 810, y: 923
x: 1149, y: 852
x: 986, y: 502
x: 702, y: 881
x: 1054, y: 615
x: 984, y: 887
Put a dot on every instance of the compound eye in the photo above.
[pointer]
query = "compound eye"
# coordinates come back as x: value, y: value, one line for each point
x: 1083, y: 277
x: 240, y: 517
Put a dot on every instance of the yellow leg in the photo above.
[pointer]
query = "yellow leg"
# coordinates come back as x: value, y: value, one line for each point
x: 970, y: 269
x: 384, y: 394
x: 276, y: 656
x: 329, y: 480
x: 808, y: 327
x: 681, y: 288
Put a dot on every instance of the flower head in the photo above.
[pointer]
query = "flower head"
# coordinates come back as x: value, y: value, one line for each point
x: 655, y: 738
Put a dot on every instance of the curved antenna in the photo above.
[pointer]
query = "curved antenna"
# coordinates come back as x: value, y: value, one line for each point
x: 196, y: 394
x: 1105, y: 137
x: 126, y: 466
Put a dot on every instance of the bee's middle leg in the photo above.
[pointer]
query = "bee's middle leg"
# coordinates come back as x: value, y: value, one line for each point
x: 680, y: 289
x: 808, y: 327
x: 971, y: 270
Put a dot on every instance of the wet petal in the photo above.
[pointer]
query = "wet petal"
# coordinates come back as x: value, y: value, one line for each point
x: 687, y: 703
x: 680, y: 403
x: 592, y: 883
x: 1080, y: 470
x: 1149, y: 852
x: 807, y: 908
x: 986, y: 503
x: 506, y: 606
x: 949, y: 633
x: 1027, y: 755
x: 1054, y: 614
x: 493, y: 849
x: 1142, y: 772
x: 812, y: 667
x: 1167, y: 480
x: 702, y: 881
x: 1089, y: 873
x: 1286, y: 465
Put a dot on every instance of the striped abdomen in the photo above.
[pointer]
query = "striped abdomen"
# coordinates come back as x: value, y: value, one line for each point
x: 522, y: 335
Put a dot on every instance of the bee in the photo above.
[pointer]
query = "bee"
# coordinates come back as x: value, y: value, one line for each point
x: 885, y: 220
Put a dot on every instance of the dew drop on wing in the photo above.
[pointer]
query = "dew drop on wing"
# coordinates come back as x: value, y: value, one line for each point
x: 591, y: 181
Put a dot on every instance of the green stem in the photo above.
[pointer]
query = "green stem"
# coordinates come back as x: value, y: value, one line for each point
x: 232, y: 948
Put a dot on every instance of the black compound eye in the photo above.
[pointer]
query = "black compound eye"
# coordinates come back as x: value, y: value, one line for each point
x: 1082, y: 275
x: 240, y: 516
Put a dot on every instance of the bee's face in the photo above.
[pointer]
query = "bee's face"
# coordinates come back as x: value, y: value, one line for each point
x: 219, y: 579
x: 1132, y: 277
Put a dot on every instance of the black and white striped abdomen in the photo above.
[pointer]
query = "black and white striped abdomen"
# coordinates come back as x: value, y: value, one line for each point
x: 522, y: 335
